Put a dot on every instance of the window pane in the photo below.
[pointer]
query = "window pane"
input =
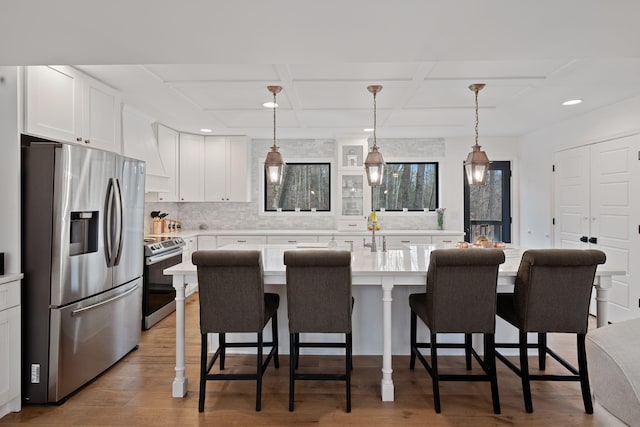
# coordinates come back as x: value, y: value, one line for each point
x: 407, y: 185
x: 305, y: 186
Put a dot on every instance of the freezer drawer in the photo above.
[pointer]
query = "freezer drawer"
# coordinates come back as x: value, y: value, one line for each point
x: 90, y: 336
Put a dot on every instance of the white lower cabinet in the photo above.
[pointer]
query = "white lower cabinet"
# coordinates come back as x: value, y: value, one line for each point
x: 206, y: 243
x: 9, y: 347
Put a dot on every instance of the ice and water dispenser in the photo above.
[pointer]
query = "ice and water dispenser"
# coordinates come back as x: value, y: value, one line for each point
x: 83, y: 232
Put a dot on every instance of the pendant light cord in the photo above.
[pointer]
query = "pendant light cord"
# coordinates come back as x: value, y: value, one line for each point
x: 374, y: 120
x: 476, y: 91
x: 274, y: 120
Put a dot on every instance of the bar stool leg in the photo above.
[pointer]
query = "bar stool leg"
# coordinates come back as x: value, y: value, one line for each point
x: 414, y: 320
x: 584, y: 374
x: 524, y: 372
x: 434, y: 373
x: 467, y: 350
x: 259, y: 373
x: 292, y: 366
x: 542, y: 351
x: 490, y: 361
x: 222, y: 343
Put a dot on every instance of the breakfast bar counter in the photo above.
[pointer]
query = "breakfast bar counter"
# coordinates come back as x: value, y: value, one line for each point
x: 377, y: 277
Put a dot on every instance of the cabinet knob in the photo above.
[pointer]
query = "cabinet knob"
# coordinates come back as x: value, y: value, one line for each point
x: 87, y: 141
x: 79, y: 139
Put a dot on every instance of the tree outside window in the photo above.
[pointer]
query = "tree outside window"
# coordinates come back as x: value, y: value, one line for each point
x: 305, y: 187
x: 411, y: 186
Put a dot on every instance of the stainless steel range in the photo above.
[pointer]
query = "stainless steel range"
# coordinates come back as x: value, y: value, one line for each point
x: 158, y: 294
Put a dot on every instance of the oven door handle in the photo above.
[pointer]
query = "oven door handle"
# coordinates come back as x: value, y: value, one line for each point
x: 157, y: 258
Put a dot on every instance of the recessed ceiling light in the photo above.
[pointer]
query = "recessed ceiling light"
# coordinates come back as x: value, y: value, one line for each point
x: 205, y: 130
x: 572, y: 102
x: 270, y: 104
x: 368, y: 129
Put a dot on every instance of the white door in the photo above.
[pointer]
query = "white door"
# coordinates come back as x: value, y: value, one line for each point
x: 572, y: 198
x: 614, y: 168
x: 594, y: 201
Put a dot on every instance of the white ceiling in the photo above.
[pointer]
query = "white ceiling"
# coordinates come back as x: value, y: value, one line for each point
x: 208, y: 62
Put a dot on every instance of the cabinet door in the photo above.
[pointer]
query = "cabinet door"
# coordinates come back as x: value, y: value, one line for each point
x: 9, y: 355
x: 446, y: 240
x: 240, y: 240
x: 191, y: 181
x: 238, y: 163
x: 54, y: 103
x: 168, y: 145
x: 400, y: 242
x: 215, y: 169
x: 291, y: 239
x: 101, y: 116
x: 206, y: 243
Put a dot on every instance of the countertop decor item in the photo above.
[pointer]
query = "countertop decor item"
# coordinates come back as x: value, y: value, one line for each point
x: 374, y: 164
x: 477, y: 162
x: 440, y: 215
x: 274, y: 164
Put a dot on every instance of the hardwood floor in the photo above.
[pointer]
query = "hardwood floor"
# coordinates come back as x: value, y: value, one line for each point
x: 137, y: 392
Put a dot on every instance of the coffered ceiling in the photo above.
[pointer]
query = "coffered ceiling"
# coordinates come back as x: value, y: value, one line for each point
x: 207, y: 63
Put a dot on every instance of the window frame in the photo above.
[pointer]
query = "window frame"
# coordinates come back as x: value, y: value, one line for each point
x: 329, y: 211
x: 407, y: 210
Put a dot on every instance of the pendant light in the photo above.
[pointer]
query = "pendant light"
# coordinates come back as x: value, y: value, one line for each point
x: 477, y: 163
x: 374, y: 164
x: 273, y: 164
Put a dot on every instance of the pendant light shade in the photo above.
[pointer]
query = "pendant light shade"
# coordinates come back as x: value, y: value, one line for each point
x: 273, y: 164
x: 477, y: 163
x: 374, y: 163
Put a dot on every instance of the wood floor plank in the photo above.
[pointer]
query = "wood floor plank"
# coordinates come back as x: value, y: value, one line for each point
x: 137, y: 392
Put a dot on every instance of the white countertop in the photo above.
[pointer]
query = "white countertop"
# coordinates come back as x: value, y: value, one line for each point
x: 306, y: 232
x: 6, y: 278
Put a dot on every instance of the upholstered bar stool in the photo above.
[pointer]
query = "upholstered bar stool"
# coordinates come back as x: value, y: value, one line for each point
x: 319, y: 301
x: 460, y: 298
x: 232, y: 299
x: 552, y: 294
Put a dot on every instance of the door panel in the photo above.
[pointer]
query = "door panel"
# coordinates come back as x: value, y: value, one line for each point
x: 571, y: 198
x: 80, y: 189
x: 612, y: 174
x: 90, y: 336
x: 131, y: 174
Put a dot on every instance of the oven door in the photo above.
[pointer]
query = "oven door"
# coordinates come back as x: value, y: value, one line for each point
x: 158, y: 294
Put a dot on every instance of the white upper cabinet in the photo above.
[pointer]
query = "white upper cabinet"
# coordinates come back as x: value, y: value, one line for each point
x: 169, y: 147
x: 67, y: 105
x: 226, y: 169
x: 191, y: 180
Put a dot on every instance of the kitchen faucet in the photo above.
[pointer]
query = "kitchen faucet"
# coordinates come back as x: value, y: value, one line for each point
x: 371, y: 245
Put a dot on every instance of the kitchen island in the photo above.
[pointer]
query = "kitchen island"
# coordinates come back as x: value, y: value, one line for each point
x: 377, y: 277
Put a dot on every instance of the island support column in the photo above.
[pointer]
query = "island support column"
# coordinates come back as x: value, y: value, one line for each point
x: 387, y: 387
x: 602, y: 284
x: 180, y: 382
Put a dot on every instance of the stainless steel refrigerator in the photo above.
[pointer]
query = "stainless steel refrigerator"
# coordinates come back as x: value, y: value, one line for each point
x: 82, y: 255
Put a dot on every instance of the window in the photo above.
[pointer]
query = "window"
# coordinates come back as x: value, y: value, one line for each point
x: 413, y: 186
x: 305, y: 187
x: 487, y: 209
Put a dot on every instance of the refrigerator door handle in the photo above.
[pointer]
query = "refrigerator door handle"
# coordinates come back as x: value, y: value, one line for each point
x: 119, y: 219
x: 108, y: 235
x: 105, y: 302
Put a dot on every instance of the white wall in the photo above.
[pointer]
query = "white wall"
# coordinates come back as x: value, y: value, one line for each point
x: 536, y: 151
x: 9, y: 170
